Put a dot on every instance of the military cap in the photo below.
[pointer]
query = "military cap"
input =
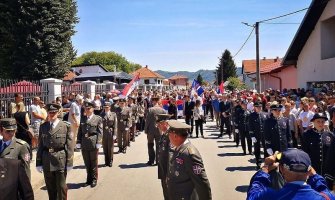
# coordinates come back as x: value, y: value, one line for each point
x: 107, y: 104
x: 178, y: 127
x: 244, y: 102
x: 53, y: 107
x: 155, y: 98
x: 162, y: 117
x: 131, y: 97
x: 258, y: 104
x: 8, y: 123
x: 116, y: 98
x: 295, y: 160
x: 319, y: 116
x: 89, y: 104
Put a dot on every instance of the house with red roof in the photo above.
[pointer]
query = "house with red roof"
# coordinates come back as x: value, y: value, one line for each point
x: 149, y: 80
x: 178, y: 81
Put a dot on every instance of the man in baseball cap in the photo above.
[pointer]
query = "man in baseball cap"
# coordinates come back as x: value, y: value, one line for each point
x: 302, y: 182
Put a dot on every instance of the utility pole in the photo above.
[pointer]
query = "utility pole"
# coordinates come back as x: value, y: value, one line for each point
x: 258, y: 75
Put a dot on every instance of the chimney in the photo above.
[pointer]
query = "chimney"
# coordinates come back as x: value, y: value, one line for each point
x: 264, y: 58
x: 276, y: 59
x: 146, y: 66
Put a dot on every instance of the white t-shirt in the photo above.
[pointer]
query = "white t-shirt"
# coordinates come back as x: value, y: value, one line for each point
x: 36, y: 109
x: 74, y: 109
x: 306, y: 117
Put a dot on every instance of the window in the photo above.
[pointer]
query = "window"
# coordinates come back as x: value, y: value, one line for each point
x: 146, y: 81
x: 328, y: 38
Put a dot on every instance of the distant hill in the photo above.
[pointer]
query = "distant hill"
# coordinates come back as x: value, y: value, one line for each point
x: 207, y: 75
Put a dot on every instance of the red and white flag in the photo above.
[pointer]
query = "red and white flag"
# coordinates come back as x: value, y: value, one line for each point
x: 131, y: 86
x: 222, y: 88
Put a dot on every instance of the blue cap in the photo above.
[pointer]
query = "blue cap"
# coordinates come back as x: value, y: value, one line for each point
x: 295, y: 160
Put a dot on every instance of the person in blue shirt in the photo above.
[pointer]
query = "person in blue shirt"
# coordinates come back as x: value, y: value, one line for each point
x: 216, y: 107
x: 302, y: 182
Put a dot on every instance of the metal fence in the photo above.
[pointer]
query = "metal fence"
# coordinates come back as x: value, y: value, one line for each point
x: 28, y: 89
x: 75, y: 87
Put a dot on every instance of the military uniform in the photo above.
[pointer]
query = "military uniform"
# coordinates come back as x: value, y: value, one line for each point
x: 16, y: 148
x: 277, y: 134
x: 163, y: 156
x: 90, y: 139
x: 109, y: 121
x: 123, y: 124
x: 152, y: 131
x: 186, y: 177
x: 242, y: 124
x: 14, y: 182
x: 256, y: 130
x: 55, y: 154
x: 134, y: 118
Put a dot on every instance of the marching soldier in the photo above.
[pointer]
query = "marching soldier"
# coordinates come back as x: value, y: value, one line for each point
x: 186, y: 176
x: 316, y: 143
x: 124, y: 123
x: 134, y: 117
x: 235, y: 113
x: 11, y: 147
x: 109, y: 121
x: 277, y: 131
x: 225, y: 112
x: 14, y: 181
x: 256, y: 131
x: 55, y: 153
x: 151, y: 129
x: 89, y: 140
x: 163, y: 151
x: 115, y: 104
x: 242, y: 123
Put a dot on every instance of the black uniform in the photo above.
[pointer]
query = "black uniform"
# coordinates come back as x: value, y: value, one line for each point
x: 14, y: 181
x: 89, y: 136
x: 225, y: 114
x: 242, y: 123
x: 162, y: 161
x: 188, y: 113
x: 317, y: 145
x: 235, y: 112
x: 256, y: 130
x: 277, y: 134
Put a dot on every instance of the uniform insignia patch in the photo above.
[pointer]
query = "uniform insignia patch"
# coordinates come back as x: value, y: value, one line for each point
x: 27, y: 157
x: 179, y: 161
x: 197, y: 169
x: 176, y: 173
x: 284, y: 123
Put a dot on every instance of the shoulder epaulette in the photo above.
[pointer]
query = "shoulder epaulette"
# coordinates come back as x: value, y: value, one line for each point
x: 21, y: 141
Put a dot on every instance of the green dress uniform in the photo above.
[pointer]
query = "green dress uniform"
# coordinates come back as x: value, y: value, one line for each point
x: 109, y: 121
x: 123, y: 124
x: 163, y: 156
x: 186, y: 176
x: 55, y: 154
x: 14, y: 182
x: 90, y: 139
x: 134, y: 118
x: 16, y: 148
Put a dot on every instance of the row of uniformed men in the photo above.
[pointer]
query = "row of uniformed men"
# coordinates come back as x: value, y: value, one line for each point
x: 272, y: 132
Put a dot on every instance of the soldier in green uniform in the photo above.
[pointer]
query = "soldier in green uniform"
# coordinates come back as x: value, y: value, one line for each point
x: 115, y: 104
x: 163, y: 151
x: 186, y: 176
x: 89, y: 140
x: 109, y: 121
x: 55, y: 153
x: 124, y: 123
x: 11, y: 147
x: 134, y: 117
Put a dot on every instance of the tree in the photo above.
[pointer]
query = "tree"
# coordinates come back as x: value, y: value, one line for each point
x: 108, y: 60
x: 200, y: 79
x: 226, y: 67
x: 42, y: 47
x: 235, y: 83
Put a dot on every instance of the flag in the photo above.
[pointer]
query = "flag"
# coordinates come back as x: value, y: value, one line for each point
x: 131, y: 86
x: 221, y: 88
x: 197, y: 87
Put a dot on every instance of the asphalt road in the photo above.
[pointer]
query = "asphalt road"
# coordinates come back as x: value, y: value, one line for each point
x: 228, y: 170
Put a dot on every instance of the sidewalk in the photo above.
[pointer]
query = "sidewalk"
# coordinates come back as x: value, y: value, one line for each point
x: 37, y: 179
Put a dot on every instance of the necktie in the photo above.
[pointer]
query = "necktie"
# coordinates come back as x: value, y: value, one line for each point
x: 51, y: 126
x: 3, y: 146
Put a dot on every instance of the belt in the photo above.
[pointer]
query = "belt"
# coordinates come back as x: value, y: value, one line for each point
x: 52, y: 150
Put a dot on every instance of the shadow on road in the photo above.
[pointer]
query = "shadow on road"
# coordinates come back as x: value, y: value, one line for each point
x: 75, y: 186
x: 133, y: 166
x: 230, y: 154
x: 244, y: 169
x: 242, y: 188
x: 83, y: 166
x: 252, y: 160
x: 227, y: 146
x: 222, y: 141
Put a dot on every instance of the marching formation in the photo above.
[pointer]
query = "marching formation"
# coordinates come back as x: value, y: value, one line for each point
x: 267, y: 125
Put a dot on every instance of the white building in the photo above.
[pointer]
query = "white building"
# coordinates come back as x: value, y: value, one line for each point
x: 312, y: 50
x: 149, y: 80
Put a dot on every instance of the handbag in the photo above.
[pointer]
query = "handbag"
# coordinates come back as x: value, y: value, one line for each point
x: 30, y: 132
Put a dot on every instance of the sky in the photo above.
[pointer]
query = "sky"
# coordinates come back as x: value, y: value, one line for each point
x: 185, y: 35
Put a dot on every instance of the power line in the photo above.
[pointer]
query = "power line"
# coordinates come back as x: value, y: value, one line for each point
x: 282, y: 23
x: 245, y: 42
x: 285, y: 15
